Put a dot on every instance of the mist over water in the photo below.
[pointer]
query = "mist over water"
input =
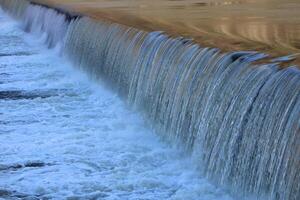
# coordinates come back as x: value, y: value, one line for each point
x: 63, y: 135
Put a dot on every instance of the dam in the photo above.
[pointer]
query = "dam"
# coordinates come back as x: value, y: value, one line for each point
x: 96, y: 109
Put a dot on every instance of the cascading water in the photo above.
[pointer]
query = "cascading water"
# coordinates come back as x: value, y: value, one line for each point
x: 51, y: 23
x: 16, y: 8
x: 41, y: 20
x: 239, y: 120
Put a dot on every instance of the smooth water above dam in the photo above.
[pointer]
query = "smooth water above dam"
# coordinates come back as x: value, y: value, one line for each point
x: 266, y: 25
x: 237, y: 121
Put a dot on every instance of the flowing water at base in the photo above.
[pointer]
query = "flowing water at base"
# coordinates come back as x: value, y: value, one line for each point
x: 62, y: 135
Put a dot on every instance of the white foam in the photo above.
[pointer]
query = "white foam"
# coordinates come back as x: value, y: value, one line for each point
x: 92, y: 145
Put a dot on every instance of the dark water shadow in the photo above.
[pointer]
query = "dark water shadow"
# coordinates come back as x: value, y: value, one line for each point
x: 17, y: 95
x: 16, y: 54
x: 14, y: 195
x: 18, y: 166
x: 21, y: 94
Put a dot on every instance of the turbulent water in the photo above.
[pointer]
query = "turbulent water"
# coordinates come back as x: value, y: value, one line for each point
x: 65, y: 136
x: 239, y: 121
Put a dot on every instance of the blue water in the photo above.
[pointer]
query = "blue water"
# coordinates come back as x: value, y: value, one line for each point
x: 64, y: 136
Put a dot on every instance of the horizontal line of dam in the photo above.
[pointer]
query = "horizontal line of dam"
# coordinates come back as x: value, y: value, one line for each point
x: 225, y: 31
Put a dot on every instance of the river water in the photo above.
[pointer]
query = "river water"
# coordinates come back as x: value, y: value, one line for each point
x: 271, y: 26
x: 65, y: 136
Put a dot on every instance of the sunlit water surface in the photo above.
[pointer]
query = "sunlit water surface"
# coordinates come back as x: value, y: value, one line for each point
x: 62, y: 135
x: 271, y: 26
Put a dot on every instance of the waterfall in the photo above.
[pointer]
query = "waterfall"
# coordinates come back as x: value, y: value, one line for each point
x: 15, y: 7
x: 46, y: 21
x: 240, y: 120
x: 52, y: 24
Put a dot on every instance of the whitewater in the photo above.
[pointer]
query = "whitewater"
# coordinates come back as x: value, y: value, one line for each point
x: 63, y: 135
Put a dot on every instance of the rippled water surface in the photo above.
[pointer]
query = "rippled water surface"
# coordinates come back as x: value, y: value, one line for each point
x: 265, y: 25
x: 62, y: 135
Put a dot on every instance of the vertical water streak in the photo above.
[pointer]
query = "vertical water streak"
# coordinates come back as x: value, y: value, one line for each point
x: 199, y: 98
x: 16, y: 8
x: 244, y: 118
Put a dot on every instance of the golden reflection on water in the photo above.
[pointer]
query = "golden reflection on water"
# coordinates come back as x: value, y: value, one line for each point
x: 270, y: 25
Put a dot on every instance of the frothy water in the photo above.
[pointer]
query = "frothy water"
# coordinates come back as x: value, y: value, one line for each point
x: 239, y: 120
x: 65, y: 136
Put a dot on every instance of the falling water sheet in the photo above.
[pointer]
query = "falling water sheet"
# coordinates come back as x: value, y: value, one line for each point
x: 62, y: 135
